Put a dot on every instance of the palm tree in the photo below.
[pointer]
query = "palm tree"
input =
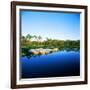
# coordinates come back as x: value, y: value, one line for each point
x: 39, y: 37
x: 29, y: 37
x: 23, y: 40
x: 35, y: 37
x: 22, y: 37
x: 49, y: 40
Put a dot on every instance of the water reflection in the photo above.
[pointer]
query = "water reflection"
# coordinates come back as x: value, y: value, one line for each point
x: 65, y: 62
x: 30, y: 55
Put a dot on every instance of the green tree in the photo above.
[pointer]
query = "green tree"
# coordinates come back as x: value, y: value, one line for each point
x: 35, y: 37
x: 39, y: 38
x: 29, y: 37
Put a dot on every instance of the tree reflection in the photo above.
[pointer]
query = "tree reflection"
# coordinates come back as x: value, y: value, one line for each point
x: 30, y: 55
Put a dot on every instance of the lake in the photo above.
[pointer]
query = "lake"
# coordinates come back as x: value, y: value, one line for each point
x: 57, y: 64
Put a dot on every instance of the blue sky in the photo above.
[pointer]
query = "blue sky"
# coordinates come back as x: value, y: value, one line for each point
x: 61, y: 26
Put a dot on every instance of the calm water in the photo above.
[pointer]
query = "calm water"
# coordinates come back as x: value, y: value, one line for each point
x: 62, y: 63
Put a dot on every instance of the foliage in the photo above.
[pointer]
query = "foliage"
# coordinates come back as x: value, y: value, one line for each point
x: 27, y: 43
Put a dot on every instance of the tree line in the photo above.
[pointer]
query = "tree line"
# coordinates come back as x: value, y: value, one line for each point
x: 28, y: 42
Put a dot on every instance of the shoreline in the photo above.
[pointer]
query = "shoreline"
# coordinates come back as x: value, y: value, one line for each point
x: 42, y: 51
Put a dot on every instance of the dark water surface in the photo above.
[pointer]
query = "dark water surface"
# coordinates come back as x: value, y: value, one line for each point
x: 57, y: 64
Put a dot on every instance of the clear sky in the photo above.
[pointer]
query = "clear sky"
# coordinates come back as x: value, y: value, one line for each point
x: 61, y: 26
